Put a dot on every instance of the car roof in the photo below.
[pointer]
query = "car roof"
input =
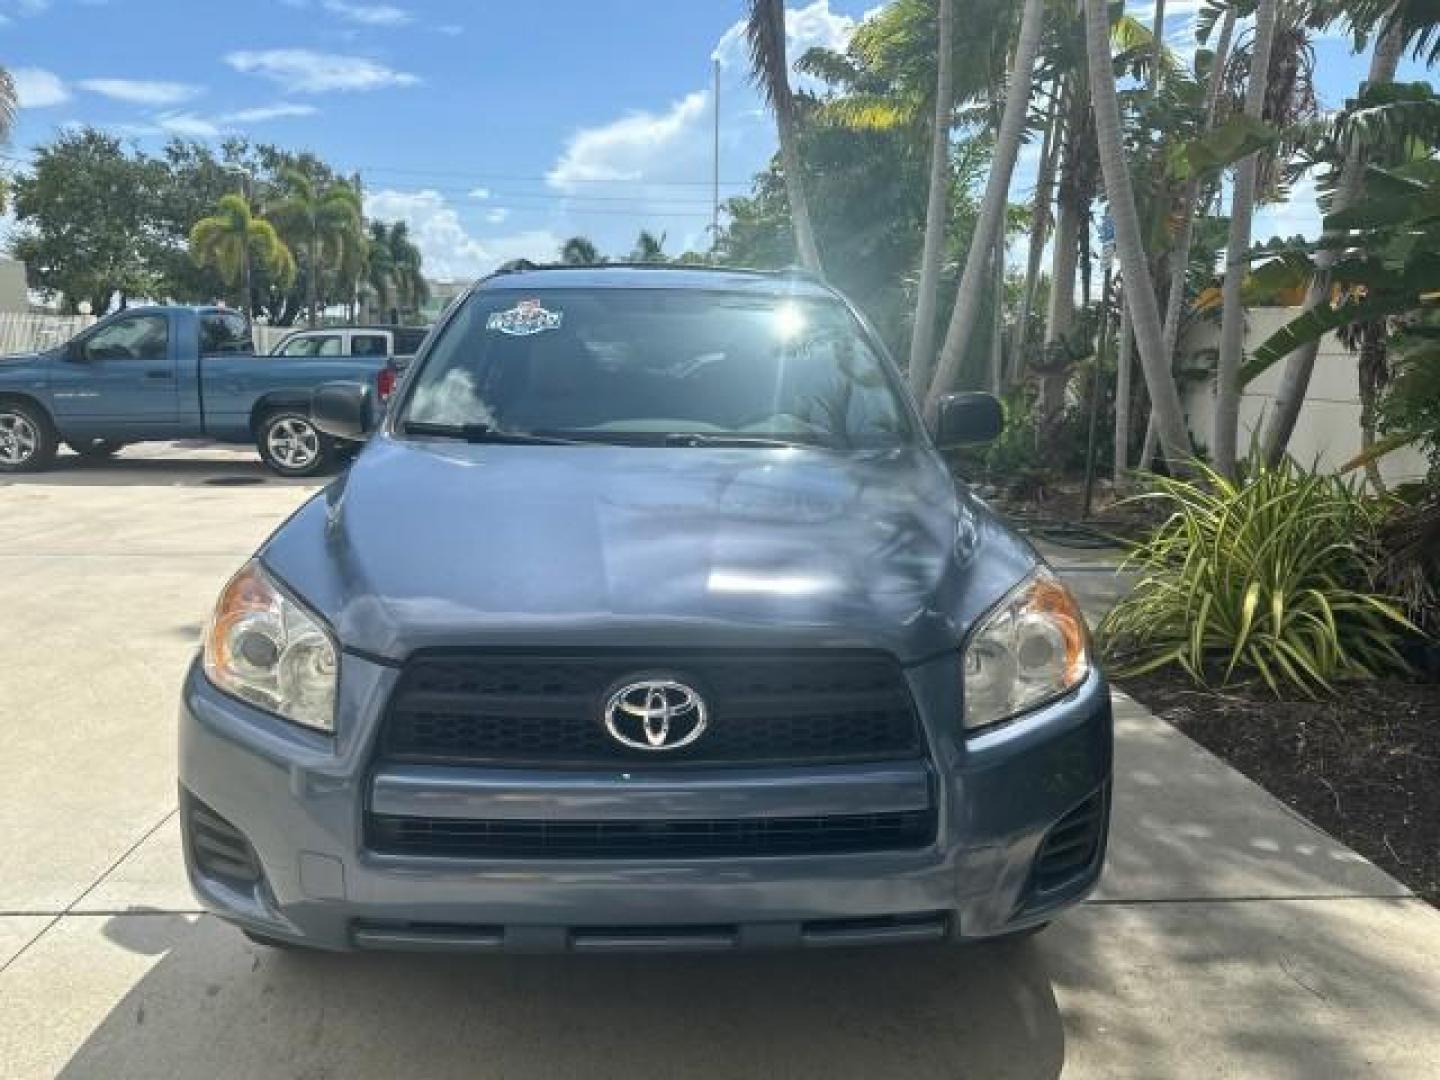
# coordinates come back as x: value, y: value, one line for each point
x: 656, y: 276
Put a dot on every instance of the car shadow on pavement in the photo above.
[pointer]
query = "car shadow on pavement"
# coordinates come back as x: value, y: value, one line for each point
x: 216, y: 1005
x: 218, y: 468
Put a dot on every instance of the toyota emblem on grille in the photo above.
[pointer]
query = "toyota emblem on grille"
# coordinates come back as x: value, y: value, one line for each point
x: 655, y: 714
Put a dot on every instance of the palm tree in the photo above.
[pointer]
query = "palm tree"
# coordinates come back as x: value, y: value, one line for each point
x: 380, y: 267
x: 922, y: 340
x: 411, y: 288
x: 1295, y: 379
x: 1139, y: 286
x: 766, y: 30
x: 580, y: 251
x: 964, y: 318
x: 320, y: 220
x: 1237, y: 251
x: 649, y: 248
x: 229, y: 238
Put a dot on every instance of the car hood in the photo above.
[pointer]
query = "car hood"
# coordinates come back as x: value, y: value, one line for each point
x: 19, y: 358
x: 429, y: 543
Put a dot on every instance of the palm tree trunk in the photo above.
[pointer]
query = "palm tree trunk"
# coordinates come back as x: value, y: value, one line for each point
x: 312, y: 284
x: 1295, y: 380
x: 1039, y: 233
x: 997, y: 328
x: 1124, y: 356
x: 1144, y: 309
x: 1237, y: 254
x: 766, y: 31
x: 1190, y: 198
x: 988, y: 225
x: 1372, y: 372
x: 922, y: 336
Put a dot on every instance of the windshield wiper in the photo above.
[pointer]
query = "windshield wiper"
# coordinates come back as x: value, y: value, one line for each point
x: 483, y: 433
x: 705, y: 438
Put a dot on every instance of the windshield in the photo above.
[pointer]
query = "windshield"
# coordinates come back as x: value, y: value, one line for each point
x: 642, y: 366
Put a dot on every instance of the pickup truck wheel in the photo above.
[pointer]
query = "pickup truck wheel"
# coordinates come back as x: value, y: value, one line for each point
x: 291, y: 445
x: 27, y: 439
x: 95, y: 448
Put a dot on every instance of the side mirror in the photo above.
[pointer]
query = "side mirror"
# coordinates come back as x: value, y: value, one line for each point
x: 967, y: 419
x: 74, y: 351
x: 345, y: 410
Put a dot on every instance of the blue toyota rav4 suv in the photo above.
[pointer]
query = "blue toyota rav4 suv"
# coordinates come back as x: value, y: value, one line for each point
x: 649, y: 618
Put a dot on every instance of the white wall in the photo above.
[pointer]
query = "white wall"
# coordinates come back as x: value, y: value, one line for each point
x: 14, y: 297
x: 1328, y: 431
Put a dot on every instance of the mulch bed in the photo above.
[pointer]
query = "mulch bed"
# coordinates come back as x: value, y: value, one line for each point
x: 1363, y: 765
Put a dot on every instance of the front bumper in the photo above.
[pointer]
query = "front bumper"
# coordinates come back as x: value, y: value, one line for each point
x: 299, y: 800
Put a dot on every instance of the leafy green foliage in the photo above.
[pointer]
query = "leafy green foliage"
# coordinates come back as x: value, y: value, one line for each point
x: 1266, y: 577
x: 88, y: 225
x: 1237, y: 137
x: 1410, y: 407
x: 1389, y: 262
x: 233, y: 239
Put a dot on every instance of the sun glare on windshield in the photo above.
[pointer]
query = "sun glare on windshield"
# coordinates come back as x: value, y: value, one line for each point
x: 789, y: 321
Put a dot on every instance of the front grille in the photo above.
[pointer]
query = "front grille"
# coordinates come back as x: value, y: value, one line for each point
x: 737, y: 837
x: 218, y: 848
x: 1071, y: 846
x: 524, y: 709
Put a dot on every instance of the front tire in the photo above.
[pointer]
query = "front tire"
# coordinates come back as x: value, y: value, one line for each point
x: 27, y: 438
x: 291, y: 445
x: 95, y: 449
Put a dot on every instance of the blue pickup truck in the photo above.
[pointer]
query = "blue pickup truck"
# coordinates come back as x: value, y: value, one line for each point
x: 160, y: 373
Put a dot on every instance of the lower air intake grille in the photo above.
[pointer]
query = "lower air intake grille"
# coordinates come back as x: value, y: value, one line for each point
x: 1072, y: 845
x: 719, y: 838
x: 218, y: 848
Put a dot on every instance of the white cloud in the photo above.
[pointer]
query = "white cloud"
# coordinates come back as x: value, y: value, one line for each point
x: 187, y: 126
x: 142, y: 91
x: 497, y: 215
x: 368, y: 14
x: 260, y: 113
x: 451, y: 251
x: 450, y: 30
x: 660, y: 159
x: 480, y: 193
x: 36, y: 88
x: 805, y: 28
x: 621, y: 149
x: 304, y: 71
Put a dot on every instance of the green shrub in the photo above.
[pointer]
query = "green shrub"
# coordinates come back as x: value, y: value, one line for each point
x: 1270, y: 577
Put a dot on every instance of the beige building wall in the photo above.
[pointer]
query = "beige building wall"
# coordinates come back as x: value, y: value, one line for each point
x: 1328, y: 431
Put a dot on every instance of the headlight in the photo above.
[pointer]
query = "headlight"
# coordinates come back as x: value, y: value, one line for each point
x: 1030, y: 648
x: 263, y: 647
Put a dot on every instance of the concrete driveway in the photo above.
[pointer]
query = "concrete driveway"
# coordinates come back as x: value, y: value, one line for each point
x: 1231, y: 939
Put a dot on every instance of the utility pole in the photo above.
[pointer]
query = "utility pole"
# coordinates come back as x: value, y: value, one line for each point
x: 715, y: 175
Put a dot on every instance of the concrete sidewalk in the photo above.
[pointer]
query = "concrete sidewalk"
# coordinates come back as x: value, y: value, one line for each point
x: 1230, y: 938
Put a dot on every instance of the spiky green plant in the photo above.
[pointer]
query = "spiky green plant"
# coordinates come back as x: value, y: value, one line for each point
x: 1269, y: 576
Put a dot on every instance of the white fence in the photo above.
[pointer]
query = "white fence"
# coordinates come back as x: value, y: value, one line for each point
x: 28, y: 331
x: 31, y: 331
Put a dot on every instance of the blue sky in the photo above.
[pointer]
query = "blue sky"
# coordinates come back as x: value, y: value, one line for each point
x: 496, y: 129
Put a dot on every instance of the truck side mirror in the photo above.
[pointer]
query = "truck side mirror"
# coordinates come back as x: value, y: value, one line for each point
x: 967, y: 419
x: 343, y: 409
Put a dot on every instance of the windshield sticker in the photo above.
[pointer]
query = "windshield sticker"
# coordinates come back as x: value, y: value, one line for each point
x: 525, y: 318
